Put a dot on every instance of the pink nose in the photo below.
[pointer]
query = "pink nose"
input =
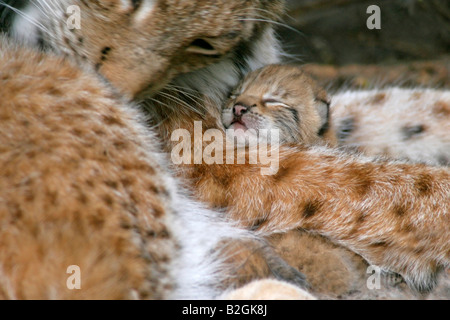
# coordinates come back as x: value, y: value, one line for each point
x: 239, y: 110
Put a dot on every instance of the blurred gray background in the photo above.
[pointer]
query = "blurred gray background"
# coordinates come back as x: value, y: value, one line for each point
x: 332, y: 39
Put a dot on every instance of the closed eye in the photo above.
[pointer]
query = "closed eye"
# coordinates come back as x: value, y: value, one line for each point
x: 274, y: 102
x: 202, y: 47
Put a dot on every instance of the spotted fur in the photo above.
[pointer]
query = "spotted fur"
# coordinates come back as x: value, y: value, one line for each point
x: 407, y: 124
x: 393, y: 214
x: 84, y: 183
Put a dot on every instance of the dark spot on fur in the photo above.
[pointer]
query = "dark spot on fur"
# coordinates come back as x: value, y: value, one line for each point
x: 164, y: 234
x: 419, y: 250
x: 82, y: 198
x: 377, y: 99
x: 124, y: 224
x: 158, y: 211
x: 282, y: 173
x: 112, y: 120
x: 15, y: 210
x: 400, y: 210
x: 157, y: 190
x: 127, y: 181
x: 409, y: 228
x: 120, y: 145
x: 83, y: 103
x: 97, y: 221
x: 55, y: 92
x: 31, y: 154
x: 30, y: 195
x: 223, y: 179
x: 409, y: 132
x: 345, y: 128
x: 361, y: 218
x: 424, y: 184
x: 364, y: 186
x: 105, y: 51
x: 52, y: 197
x: 441, y: 109
x: 112, y: 184
x: 108, y: 200
x: 361, y: 175
x: 77, y: 132
x: 99, y: 132
x: 90, y: 183
x: 379, y: 244
x: 311, y: 208
x: 69, y: 44
x: 138, y: 166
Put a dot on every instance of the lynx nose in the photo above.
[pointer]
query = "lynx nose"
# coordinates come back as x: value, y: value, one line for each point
x: 239, y: 110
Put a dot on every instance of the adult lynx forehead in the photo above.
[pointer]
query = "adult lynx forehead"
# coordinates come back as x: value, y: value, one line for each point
x: 140, y: 46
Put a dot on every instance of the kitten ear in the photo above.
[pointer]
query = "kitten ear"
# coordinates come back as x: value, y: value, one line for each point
x: 323, y: 109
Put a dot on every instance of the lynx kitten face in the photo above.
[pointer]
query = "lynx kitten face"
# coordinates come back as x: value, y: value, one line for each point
x: 279, y: 97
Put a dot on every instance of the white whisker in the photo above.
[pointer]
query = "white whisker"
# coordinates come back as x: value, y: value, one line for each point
x: 39, y: 7
x: 267, y: 12
x: 183, y: 103
x: 49, y: 7
x: 195, y: 98
x: 274, y: 23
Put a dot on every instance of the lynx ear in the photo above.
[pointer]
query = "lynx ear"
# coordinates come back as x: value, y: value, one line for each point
x: 323, y: 109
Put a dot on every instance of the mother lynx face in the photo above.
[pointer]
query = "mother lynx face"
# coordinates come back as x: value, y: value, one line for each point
x: 140, y: 45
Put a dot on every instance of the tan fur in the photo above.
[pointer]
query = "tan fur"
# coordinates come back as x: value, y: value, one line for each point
x: 83, y: 184
x: 331, y: 270
x: 409, y: 124
x: 80, y: 186
x: 282, y: 97
x: 223, y: 24
x: 395, y: 215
